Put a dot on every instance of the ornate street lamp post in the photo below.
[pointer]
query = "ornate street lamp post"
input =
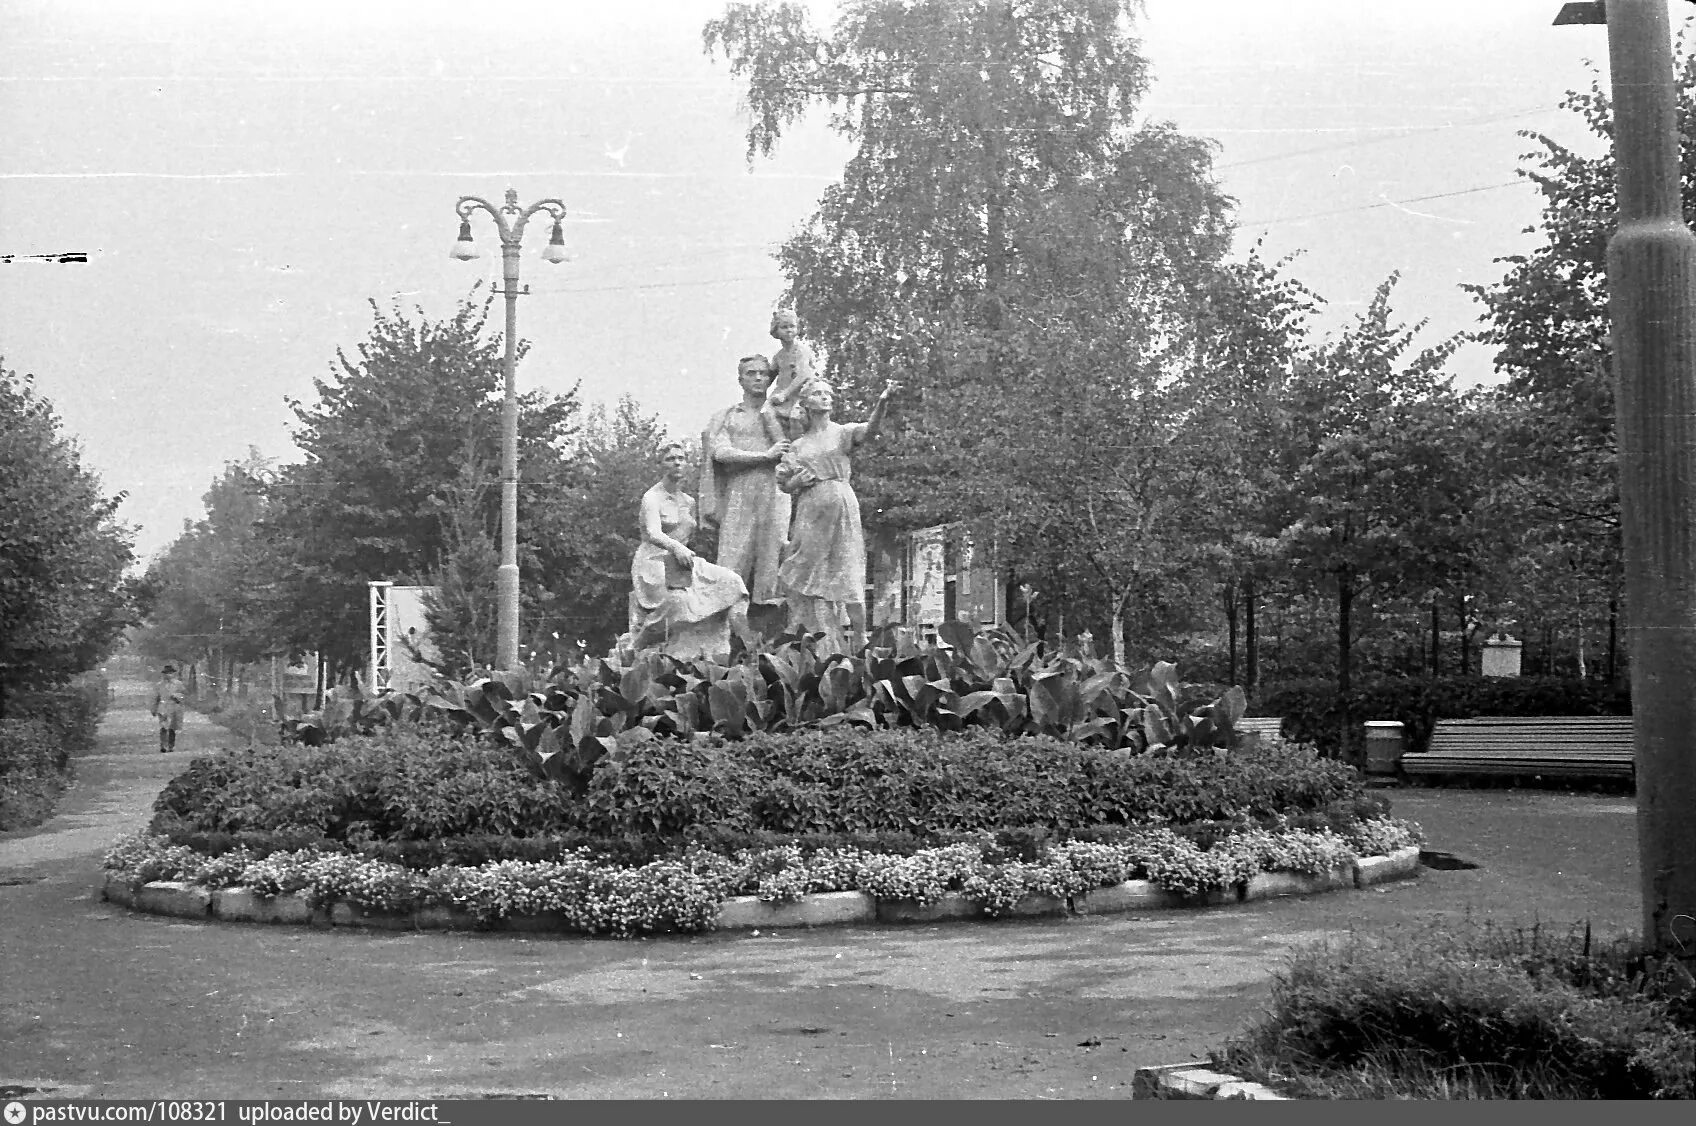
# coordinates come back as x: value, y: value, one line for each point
x: 510, y: 221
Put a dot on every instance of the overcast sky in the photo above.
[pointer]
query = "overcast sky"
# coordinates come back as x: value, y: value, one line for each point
x: 245, y: 177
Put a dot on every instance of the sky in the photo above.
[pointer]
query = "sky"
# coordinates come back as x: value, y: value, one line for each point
x: 246, y: 179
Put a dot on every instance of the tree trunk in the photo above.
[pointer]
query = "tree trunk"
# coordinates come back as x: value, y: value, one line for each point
x: 1465, y: 639
x: 995, y: 219
x: 1436, y: 638
x: 1251, y: 647
x: 1613, y: 641
x: 1345, y: 630
x: 1119, y: 634
x: 1230, y: 603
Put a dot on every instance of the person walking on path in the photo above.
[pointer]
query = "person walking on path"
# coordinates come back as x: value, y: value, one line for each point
x: 168, y: 706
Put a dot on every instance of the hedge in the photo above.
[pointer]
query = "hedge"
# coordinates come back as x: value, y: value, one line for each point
x: 407, y: 784
x: 1022, y: 843
x: 1312, y: 710
x: 43, y: 727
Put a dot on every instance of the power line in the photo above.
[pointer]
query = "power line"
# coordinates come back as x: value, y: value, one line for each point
x: 1383, y: 203
x: 1408, y: 131
x: 655, y: 285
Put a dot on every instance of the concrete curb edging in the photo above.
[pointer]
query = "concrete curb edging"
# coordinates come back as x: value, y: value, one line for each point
x: 832, y: 908
x: 1400, y: 864
x: 1197, y: 1081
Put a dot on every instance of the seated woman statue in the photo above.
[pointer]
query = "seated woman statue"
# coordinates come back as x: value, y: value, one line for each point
x: 824, y: 567
x: 681, y: 604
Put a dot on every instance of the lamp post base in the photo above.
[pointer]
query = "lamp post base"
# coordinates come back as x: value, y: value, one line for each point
x: 506, y: 599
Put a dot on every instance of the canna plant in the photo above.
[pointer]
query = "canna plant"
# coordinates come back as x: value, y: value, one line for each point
x: 564, y: 723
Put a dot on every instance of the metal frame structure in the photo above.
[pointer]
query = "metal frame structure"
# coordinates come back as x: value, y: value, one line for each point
x: 382, y: 664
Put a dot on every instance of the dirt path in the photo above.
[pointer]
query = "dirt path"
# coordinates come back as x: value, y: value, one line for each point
x: 96, y: 1000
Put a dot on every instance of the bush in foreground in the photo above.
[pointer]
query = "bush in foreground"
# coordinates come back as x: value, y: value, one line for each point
x: 1475, y: 1011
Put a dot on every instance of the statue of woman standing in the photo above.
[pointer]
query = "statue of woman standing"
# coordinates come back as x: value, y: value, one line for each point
x: 824, y: 570
x: 679, y: 603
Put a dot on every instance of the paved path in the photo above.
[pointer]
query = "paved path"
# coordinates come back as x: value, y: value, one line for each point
x: 99, y: 1001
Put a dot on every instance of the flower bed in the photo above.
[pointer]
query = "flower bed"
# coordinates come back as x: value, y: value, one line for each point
x: 688, y: 890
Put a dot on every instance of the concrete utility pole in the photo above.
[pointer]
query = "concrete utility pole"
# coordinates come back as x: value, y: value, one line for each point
x: 1651, y: 290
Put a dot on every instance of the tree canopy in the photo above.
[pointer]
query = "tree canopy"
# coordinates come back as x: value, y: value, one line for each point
x: 64, y: 600
x: 400, y: 445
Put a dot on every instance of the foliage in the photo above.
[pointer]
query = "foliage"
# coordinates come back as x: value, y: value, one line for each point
x: 1374, y: 478
x: 1480, y: 1012
x: 36, y: 743
x: 34, y: 768
x: 407, y: 784
x: 396, y: 784
x: 1250, y: 334
x: 64, y: 600
x: 1547, y: 318
x: 400, y: 439
x: 1013, y: 242
x: 973, y: 680
x: 1362, y: 821
x: 683, y: 888
x: 619, y: 455
x: 71, y: 713
x: 215, y: 593
x: 1313, y: 709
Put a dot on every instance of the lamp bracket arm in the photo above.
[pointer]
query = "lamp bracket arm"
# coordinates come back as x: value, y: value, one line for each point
x: 469, y: 203
x: 554, y: 208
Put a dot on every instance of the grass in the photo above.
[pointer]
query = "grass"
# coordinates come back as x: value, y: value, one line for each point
x: 1475, y: 1011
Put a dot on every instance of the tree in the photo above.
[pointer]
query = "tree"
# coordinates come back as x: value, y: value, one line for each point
x: 619, y: 459
x: 386, y: 444
x: 64, y: 599
x: 215, y: 586
x: 1250, y: 326
x: 1548, y: 320
x: 1008, y: 239
x: 1374, y: 485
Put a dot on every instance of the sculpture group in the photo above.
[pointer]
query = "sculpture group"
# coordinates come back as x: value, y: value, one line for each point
x: 775, y: 478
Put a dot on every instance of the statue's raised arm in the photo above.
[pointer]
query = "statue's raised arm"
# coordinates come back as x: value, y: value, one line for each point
x: 824, y: 571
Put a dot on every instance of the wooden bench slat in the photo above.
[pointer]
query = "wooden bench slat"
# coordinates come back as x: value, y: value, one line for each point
x: 1569, y: 746
x: 1615, y: 756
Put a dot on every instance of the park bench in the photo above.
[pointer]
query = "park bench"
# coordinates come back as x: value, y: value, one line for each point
x: 1528, y: 746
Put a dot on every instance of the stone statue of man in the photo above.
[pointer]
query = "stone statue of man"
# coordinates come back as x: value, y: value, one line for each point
x: 740, y: 449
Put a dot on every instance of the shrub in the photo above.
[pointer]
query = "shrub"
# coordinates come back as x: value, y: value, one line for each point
x: 399, y: 784
x: 845, y: 780
x: 1313, y: 709
x: 34, y: 765
x: 43, y: 727
x: 71, y: 714
x: 1479, y: 1011
x: 407, y: 785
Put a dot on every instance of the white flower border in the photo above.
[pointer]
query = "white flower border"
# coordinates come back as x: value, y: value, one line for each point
x: 689, y: 892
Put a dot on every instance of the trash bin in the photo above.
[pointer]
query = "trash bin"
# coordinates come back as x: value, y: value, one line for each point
x: 1383, y: 746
